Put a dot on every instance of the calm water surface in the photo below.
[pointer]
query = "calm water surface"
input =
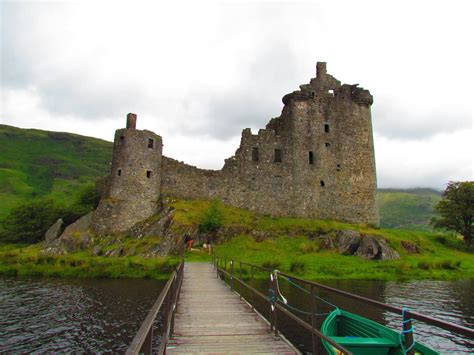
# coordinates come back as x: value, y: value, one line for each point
x: 86, y: 315
x: 44, y: 315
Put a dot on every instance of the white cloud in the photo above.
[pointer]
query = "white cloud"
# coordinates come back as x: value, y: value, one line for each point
x: 197, y: 73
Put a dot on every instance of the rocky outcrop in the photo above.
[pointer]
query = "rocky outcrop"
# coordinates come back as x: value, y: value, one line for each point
x: 54, y: 231
x: 349, y: 242
x: 410, y: 247
x: 75, y: 237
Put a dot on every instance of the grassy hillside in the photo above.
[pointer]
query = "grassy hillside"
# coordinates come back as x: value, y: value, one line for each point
x: 288, y: 244
x: 36, y: 163
x: 41, y: 163
x: 407, y: 209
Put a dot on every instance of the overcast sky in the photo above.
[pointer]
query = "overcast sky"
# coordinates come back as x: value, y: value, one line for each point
x: 197, y: 73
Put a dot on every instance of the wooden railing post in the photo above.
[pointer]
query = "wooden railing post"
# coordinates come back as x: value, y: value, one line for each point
x: 274, y: 309
x: 314, y: 340
x: 232, y: 274
x: 251, y: 287
x: 240, y: 277
x: 147, y: 347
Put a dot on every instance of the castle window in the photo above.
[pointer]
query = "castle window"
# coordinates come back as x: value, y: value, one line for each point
x: 149, y: 173
x: 119, y: 172
x: 121, y: 140
x: 326, y: 127
x: 311, y: 158
x: 255, y: 154
x: 277, y: 156
x: 331, y: 92
x: 151, y: 143
x: 338, y: 167
x: 328, y: 144
x: 322, y: 183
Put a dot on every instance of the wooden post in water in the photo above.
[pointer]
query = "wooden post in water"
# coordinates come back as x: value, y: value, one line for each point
x: 408, y: 331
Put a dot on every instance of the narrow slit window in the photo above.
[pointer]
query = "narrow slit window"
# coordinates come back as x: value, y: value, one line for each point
x: 277, y: 156
x: 121, y: 140
x: 255, y: 154
x: 119, y: 172
x: 311, y: 158
x: 322, y: 183
x: 326, y: 127
x: 149, y: 173
x: 151, y: 143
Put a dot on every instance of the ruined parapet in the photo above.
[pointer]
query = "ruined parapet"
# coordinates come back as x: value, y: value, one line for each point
x: 134, y: 183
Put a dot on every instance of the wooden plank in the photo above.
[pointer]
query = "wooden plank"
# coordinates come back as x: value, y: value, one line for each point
x: 211, y: 319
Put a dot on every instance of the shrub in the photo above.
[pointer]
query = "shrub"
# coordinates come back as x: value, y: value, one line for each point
x: 308, y: 247
x: 297, y: 267
x: 212, y: 218
x: 271, y: 264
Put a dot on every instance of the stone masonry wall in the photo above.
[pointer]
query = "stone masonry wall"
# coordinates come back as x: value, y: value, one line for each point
x: 324, y: 168
x: 134, y: 184
x: 315, y: 160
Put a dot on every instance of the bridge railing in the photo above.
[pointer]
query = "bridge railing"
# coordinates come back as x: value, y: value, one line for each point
x: 167, y: 301
x: 226, y: 266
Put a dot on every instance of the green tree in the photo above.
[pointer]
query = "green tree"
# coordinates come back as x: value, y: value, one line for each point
x: 212, y: 218
x: 29, y: 222
x: 456, y: 209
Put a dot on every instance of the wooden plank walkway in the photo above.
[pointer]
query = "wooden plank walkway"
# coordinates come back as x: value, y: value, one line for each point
x: 212, y: 319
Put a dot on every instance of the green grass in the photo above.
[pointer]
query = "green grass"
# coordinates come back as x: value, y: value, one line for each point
x: 289, y: 245
x: 38, y: 163
x: 286, y: 254
x: 28, y: 261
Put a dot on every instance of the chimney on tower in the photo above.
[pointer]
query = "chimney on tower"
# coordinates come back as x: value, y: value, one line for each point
x: 131, y: 121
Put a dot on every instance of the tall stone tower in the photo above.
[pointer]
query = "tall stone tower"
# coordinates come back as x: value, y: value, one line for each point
x: 315, y: 160
x: 134, y: 183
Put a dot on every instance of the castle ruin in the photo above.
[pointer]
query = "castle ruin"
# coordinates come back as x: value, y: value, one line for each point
x: 315, y: 160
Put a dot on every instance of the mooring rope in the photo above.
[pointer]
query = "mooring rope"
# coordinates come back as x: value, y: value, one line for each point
x: 273, y: 297
x: 405, y: 331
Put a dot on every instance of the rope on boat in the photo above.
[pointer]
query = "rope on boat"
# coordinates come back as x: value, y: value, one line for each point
x: 273, y: 297
x: 403, y: 332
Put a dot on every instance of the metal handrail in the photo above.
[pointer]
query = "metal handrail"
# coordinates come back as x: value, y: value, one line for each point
x: 142, y: 343
x: 407, y: 314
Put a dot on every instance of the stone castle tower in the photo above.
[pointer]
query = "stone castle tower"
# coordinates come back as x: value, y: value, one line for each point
x: 134, y: 184
x: 315, y: 160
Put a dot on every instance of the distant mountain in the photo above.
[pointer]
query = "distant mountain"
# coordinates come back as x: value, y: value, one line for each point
x: 407, y: 208
x: 41, y: 163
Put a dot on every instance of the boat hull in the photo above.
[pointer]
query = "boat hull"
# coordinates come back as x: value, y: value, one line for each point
x: 363, y: 336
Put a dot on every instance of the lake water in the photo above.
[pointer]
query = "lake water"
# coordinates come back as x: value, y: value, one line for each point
x: 91, y: 315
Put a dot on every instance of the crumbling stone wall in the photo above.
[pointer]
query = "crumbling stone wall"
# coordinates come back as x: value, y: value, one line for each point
x: 315, y: 160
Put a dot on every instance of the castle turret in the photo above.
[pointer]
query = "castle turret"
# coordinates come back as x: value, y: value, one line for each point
x: 133, y: 187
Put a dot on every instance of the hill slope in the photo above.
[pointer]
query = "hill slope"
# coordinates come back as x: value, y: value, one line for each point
x: 40, y: 163
x: 407, y: 209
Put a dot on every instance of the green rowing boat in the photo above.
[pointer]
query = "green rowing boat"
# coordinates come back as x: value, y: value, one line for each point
x: 362, y: 336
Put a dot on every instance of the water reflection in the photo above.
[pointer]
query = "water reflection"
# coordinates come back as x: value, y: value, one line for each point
x: 44, y: 315
x: 448, y: 300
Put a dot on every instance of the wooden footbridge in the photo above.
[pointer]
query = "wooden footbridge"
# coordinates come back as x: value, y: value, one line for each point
x: 198, y: 312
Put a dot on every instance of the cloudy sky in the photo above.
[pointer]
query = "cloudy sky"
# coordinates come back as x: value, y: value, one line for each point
x: 197, y: 73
